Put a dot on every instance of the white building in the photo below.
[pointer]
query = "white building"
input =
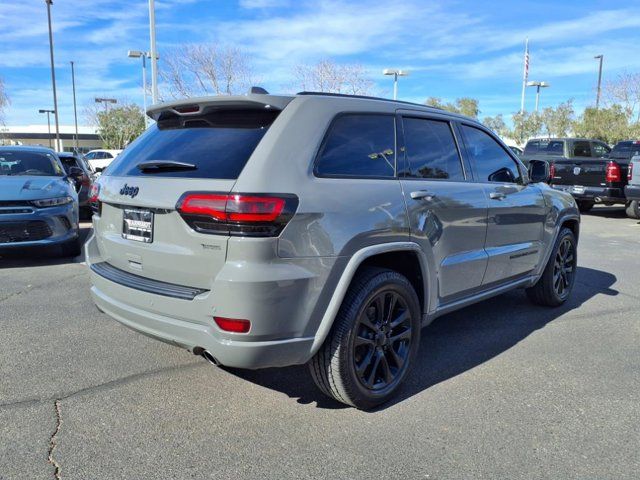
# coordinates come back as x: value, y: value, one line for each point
x: 43, y: 135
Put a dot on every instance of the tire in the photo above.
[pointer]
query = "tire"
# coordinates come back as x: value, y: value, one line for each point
x: 633, y: 209
x: 355, y: 374
x: 585, y: 206
x: 71, y: 248
x: 554, y: 287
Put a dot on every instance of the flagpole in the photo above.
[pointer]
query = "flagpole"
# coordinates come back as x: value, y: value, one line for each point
x: 525, y: 74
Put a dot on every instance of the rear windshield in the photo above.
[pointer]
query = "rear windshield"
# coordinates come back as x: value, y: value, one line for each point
x: 544, y: 147
x: 625, y: 150
x: 217, y: 144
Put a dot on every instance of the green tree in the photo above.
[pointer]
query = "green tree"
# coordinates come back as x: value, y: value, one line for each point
x: 119, y: 126
x: 497, y: 125
x: 468, y: 106
x: 464, y: 106
x: 607, y: 124
x: 558, y: 121
x: 525, y: 126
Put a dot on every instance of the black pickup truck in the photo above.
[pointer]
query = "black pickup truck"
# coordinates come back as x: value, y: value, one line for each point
x: 588, y: 169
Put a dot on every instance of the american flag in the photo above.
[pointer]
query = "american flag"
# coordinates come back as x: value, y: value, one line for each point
x: 526, y: 61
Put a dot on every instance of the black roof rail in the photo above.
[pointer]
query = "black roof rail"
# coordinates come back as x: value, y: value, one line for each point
x: 365, y: 97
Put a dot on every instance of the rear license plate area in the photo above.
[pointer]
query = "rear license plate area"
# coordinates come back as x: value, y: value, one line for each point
x: 137, y: 224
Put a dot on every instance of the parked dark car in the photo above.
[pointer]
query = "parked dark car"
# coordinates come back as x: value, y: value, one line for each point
x: 38, y: 200
x: 588, y: 169
x: 70, y: 160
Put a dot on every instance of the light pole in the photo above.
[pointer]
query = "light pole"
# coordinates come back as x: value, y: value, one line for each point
x: 396, y: 74
x: 143, y: 56
x: 75, y: 108
x: 538, y: 86
x: 601, y: 58
x: 106, y: 102
x: 153, y: 51
x: 48, y: 122
x: 53, y: 76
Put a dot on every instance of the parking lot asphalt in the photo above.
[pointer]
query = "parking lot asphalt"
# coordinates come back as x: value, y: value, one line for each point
x: 502, y: 389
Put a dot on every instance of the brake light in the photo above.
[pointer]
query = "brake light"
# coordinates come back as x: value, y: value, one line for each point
x: 552, y: 171
x: 94, y: 194
x: 630, y: 171
x: 95, y: 191
x: 237, y: 214
x: 613, y: 173
x: 233, y: 325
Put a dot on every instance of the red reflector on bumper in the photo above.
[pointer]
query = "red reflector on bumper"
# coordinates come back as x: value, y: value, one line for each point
x: 233, y: 325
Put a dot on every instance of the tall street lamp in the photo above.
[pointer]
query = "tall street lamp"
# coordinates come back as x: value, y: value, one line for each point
x: 106, y: 102
x: 75, y: 108
x: 538, y: 86
x: 53, y: 75
x: 601, y: 58
x: 396, y: 74
x: 153, y: 51
x: 48, y: 122
x: 143, y: 56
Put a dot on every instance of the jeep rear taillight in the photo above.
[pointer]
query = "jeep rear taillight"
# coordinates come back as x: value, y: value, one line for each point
x: 552, y: 172
x: 613, y: 173
x: 630, y: 171
x: 254, y: 215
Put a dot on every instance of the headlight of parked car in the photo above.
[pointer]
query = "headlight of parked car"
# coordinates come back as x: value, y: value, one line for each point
x: 52, y: 202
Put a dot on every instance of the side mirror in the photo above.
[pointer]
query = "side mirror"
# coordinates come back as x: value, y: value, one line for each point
x: 99, y: 169
x: 76, y: 174
x: 539, y: 171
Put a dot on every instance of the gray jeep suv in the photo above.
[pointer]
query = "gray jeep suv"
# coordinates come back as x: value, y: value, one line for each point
x: 264, y: 231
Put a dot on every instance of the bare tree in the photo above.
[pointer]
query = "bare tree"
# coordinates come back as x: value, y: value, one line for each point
x: 625, y: 91
x: 4, y: 100
x: 205, y: 69
x: 328, y: 76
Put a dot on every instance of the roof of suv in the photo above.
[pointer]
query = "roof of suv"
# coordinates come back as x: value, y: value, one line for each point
x: 197, y: 104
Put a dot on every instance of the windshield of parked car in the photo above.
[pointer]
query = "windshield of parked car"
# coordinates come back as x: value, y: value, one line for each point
x: 29, y: 163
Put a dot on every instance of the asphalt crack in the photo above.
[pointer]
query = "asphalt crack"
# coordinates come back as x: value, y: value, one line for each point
x: 53, y: 442
x: 29, y: 288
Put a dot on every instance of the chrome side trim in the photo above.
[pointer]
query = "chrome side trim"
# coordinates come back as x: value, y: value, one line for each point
x: 145, y: 284
x: 347, y: 275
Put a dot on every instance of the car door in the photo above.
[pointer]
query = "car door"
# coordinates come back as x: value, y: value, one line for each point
x: 447, y: 212
x: 517, y: 210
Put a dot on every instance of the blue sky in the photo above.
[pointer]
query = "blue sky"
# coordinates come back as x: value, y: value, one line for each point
x: 452, y: 48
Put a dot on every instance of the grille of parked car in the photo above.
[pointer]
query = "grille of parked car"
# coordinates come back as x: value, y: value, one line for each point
x: 11, y: 232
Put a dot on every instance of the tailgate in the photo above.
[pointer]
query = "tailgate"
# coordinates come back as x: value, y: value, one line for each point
x: 172, y: 252
x: 585, y: 172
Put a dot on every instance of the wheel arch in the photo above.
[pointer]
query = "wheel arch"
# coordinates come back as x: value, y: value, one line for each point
x: 396, y: 256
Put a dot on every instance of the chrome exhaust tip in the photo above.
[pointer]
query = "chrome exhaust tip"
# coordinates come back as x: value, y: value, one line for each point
x: 206, y: 354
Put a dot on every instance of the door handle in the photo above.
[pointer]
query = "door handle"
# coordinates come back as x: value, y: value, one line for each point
x: 422, y: 195
x: 497, y: 196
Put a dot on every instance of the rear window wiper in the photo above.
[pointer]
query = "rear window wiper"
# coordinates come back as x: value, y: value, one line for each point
x: 159, y: 165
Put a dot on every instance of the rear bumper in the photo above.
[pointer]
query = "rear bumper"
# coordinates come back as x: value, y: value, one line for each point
x: 55, y: 225
x: 232, y: 353
x: 278, y: 297
x: 594, y: 194
x: 632, y: 192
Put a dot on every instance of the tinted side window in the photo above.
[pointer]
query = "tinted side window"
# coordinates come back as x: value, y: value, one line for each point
x: 492, y: 162
x: 90, y: 156
x: 431, y: 150
x: 581, y: 149
x: 600, y: 149
x: 359, y: 145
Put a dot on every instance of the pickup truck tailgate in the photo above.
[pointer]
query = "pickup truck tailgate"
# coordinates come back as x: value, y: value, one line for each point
x: 586, y: 172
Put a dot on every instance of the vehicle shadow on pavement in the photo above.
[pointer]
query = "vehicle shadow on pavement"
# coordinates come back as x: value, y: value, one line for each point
x: 40, y: 257
x: 454, y: 343
x: 607, y: 212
